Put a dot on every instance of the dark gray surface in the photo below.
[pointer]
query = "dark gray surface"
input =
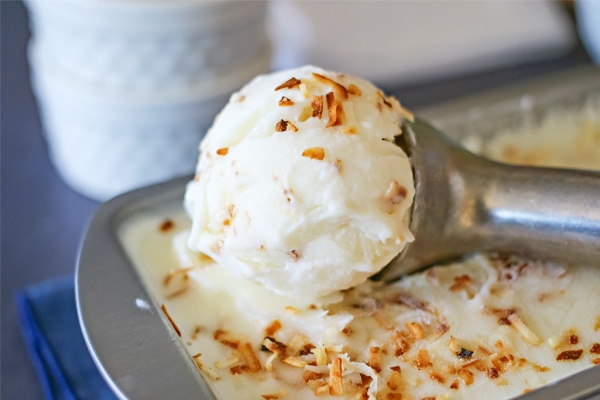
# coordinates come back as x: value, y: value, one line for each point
x: 42, y: 219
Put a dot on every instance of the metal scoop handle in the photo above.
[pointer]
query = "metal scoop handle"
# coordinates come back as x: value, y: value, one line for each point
x: 465, y: 203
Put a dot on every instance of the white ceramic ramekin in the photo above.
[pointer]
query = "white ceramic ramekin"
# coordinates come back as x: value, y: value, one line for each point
x: 104, y: 143
x: 148, y: 45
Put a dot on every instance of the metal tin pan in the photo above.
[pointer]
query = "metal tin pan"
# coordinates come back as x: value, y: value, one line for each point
x: 132, y: 343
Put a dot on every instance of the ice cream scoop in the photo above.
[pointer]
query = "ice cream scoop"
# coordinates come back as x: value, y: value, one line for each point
x: 465, y: 203
x: 300, y: 185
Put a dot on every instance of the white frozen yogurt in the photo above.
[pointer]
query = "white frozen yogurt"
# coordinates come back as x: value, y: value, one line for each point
x: 300, y: 186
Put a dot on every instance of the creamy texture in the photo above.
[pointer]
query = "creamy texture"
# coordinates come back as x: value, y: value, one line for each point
x: 563, y: 139
x: 300, y: 186
x: 499, y: 326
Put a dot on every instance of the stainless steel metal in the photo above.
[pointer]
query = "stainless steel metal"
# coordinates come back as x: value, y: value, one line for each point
x: 466, y: 203
x: 129, y: 338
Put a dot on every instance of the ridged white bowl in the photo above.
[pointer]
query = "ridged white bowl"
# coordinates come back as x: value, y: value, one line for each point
x: 147, y: 45
x: 104, y: 143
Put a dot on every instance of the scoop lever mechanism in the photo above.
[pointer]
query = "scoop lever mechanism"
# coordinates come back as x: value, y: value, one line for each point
x: 466, y: 203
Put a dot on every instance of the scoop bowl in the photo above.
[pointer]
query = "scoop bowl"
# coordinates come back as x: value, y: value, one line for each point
x: 466, y: 203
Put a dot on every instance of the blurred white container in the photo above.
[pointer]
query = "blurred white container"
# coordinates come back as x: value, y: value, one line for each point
x: 104, y: 143
x: 149, y: 45
x: 127, y: 88
x: 588, y: 20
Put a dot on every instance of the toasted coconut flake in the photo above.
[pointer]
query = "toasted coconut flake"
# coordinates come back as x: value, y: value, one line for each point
x: 312, y: 376
x: 501, y: 313
x: 197, y: 330
x: 304, y: 90
x: 321, y: 390
x: 226, y: 338
x: 402, y: 346
x: 415, y: 329
x: 466, y: 376
x: 176, y: 272
x: 236, y: 370
x: 540, y: 368
x: 384, y: 99
x: 292, y: 310
x: 166, y: 225
x: 297, y: 343
x: 395, y: 380
x: 569, y: 355
x: 453, y: 345
x: 295, y: 255
x: 375, y: 358
x: 394, y: 194
x: 173, y: 324
x: 355, y: 90
x: 595, y: 349
x: 316, y: 153
x: 249, y: 357
x: 410, y: 301
x: 597, y: 325
x: 273, y: 327
x: 176, y: 293
x: 294, y: 361
x: 307, y: 349
x: 270, y: 344
x: 223, y: 151
x: 274, y: 396
x: 204, y: 258
x: 483, y: 350
x: 460, y: 282
x: 596, y: 361
x: 334, y: 110
x: 289, y: 84
x: 339, y: 89
x: 338, y: 164
x: 281, y: 126
x: 336, y: 384
x: 492, y: 373
x: 455, y: 384
x: 317, y: 106
x: 285, y: 101
x: 523, y: 330
x: 320, y: 355
x: 227, y: 362
x: 573, y: 339
x: 395, y: 396
x: 437, y: 377
x: 422, y: 359
x: 442, y: 326
x: 206, y: 369
x: 269, y: 361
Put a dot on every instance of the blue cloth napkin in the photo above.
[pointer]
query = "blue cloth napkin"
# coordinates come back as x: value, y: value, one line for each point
x: 50, y: 327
